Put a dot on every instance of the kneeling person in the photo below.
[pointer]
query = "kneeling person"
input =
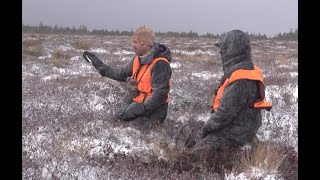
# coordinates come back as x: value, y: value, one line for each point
x: 147, y: 75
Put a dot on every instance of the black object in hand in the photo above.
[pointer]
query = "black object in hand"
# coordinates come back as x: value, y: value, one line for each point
x: 93, y: 59
x: 88, y: 56
x: 96, y: 62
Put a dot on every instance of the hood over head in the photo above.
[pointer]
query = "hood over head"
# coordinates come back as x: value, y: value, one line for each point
x: 235, y: 48
x: 157, y: 50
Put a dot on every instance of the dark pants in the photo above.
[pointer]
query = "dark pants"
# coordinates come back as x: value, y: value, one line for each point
x: 147, y: 120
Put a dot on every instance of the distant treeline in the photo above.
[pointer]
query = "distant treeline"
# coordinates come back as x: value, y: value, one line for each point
x: 44, y: 29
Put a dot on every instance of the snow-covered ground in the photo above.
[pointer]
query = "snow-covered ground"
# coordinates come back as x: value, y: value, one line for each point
x: 67, y: 125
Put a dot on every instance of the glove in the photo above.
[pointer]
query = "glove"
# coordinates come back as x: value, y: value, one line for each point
x: 132, y: 111
x: 210, y: 127
x: 96, y: 62
x: 206, y: 131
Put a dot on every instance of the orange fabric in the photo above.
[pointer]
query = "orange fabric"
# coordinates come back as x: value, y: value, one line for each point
x: 143, y: 77
x: 256, y: 75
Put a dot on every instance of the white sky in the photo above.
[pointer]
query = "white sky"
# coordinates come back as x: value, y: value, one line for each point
x: 214, y: 16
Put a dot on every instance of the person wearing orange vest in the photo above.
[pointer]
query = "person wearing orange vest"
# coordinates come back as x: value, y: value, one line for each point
x: 240, y: 97
x: 147, y: 75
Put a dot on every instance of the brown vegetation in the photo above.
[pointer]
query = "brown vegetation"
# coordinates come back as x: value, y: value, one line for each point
x: 68, y: 129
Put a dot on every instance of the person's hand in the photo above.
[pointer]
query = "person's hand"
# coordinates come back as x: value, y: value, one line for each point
x: 95, y: 61
x: 206, y: 131
x: 92, y: 58
x: 210, y: 127
x: 132, y: 111
x: 89, y: 57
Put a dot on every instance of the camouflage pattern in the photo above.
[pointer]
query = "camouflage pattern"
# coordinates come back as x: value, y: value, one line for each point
x: 235, y: 122
x: 155, y: 106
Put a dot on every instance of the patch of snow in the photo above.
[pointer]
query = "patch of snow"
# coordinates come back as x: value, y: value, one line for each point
x: 107, y: 42
x: 45, y: 173
x: 203, y: 117
x: 195, y: 52
x: 85, y: 67
x: 95, y: 103
x: 50, y: 77
x: 126, y: 58
x: 75, y: 58
x: 65, y: 48
x: 284, y: 66
x: 45, y: 57
x: 293, y: 74
x: 59, y: 70
x: 98, y: 150
x: 129, y: 141
x: 280, y: 47
x: 254, y: 173
x: 124, y: 52
x: 206, y: 75
x: 100, y: 50
x: 183, y: 118
x: 26, y: 74
x: 175, y: 65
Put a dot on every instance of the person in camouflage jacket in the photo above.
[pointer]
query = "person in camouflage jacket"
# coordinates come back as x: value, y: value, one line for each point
x: 153, y: 107
x: 235, y: 121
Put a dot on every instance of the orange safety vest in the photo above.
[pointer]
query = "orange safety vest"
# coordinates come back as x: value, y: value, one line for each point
x: 143, y: 78
x: 256, y: 75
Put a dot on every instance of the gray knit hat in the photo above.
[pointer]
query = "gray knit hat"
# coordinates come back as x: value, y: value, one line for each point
x: 144, y: 35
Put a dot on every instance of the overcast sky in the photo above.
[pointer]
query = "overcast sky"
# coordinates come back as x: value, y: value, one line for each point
x: 214, y: 16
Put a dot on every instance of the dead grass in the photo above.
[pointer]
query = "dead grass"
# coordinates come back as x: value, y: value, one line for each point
x: 57, y: 62
x: 287, y: 98
x: 41, y: 98
x: 32, y: 47
x: 263, y: 155
x: 81, y: 44
x: 277, y: 80
x: 60, y: 54
x: 170, y: 150
x: 282, y: 60
x: 32, y: 42
x: 193, y: 47
x: 60, y: 58
x: 60, y: 149
x: 198, y: 57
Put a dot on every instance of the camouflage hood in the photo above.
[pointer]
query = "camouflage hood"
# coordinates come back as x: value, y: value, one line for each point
x: 158, y: 50
x: 235, y: 48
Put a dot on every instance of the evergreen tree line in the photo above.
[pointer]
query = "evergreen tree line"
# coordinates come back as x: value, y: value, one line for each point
x: 45, y: 29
